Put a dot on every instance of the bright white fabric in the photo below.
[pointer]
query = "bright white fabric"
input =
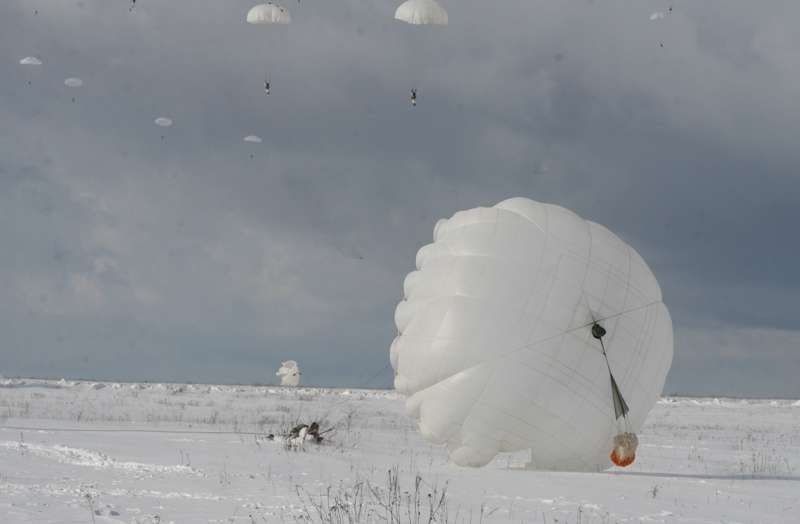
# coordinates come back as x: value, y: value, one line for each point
x: 268, y: 14
x: 494, y: 345
x: 419, y: 12
x: 289, y: 373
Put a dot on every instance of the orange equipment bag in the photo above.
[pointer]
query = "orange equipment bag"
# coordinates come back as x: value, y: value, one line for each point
x: 624, y: 452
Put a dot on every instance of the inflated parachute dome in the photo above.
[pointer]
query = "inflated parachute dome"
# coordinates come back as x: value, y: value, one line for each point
x: 268, y: 13
x: 528, y: 327
x: 421, y: 12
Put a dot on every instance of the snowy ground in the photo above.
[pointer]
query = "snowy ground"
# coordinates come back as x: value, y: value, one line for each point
x: 82, y: 452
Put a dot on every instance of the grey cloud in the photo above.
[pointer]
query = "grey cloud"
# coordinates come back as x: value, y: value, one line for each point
x: 132, y: 256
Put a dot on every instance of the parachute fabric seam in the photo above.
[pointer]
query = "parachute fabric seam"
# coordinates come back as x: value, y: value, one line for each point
x: 564, y: 383
x: 556, y: 364
x: 473, y: 413
x: 547, y: 235
x: 529, y: 346
x: 536, y: 343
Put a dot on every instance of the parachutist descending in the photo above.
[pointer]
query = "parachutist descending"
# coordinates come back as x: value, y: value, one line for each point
x: 414, y: 97
x: 133, y: 4
x: 268, y: 15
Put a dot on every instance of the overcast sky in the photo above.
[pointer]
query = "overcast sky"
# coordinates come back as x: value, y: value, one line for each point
x: 128, y: 256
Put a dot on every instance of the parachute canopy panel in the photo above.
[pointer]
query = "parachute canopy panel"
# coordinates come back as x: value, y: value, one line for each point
x: 30, y: 60
x: 268, y: 13
x: 495, y: 348
x: 421, y: 12
x: 73, y: 82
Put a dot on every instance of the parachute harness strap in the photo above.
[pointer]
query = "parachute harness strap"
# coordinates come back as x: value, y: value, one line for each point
x: 620, y: 406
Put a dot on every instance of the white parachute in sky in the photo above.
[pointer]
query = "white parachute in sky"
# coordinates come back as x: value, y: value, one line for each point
x: 289, y: 373
x: 421, y: 12
x: 30, y: 60
x: 268, y: 13
x: 528, y: 327
x: 73, y: 82
x: 658, y: 15
x: 163, y: 121
x: 252, y: 139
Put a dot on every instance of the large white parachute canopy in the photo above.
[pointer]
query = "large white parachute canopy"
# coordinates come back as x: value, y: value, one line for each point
x: 421, y: 12
x: 528, y: 327
x: 163, y: 121
x: 289, y: 373
x: 268, y: 13
x: 73, y: 82
x: 30, y: 60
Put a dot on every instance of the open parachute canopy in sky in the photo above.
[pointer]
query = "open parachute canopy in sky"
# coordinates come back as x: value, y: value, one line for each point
x: 163, y: 121
x: 421, y: 12
x: 528, y: 327
x: 268, y: 13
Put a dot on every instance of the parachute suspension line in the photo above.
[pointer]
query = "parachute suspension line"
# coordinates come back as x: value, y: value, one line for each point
x: 625, y: 441
x: 532, y: 345
x: 620, y: 406
x: 266, y: 67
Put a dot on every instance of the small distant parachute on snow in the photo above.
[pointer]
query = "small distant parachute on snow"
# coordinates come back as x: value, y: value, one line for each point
x: 73, y: 82
x: 658, y: 15
x: 289, y: 373
x: 421, y: 12
x: 163, y: 121
x: 526, y: 327
x: 30, y: 60
x: 253, y: 139
x: 268, y: 13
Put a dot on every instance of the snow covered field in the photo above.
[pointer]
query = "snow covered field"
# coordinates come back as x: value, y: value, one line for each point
x: 83, y: 452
